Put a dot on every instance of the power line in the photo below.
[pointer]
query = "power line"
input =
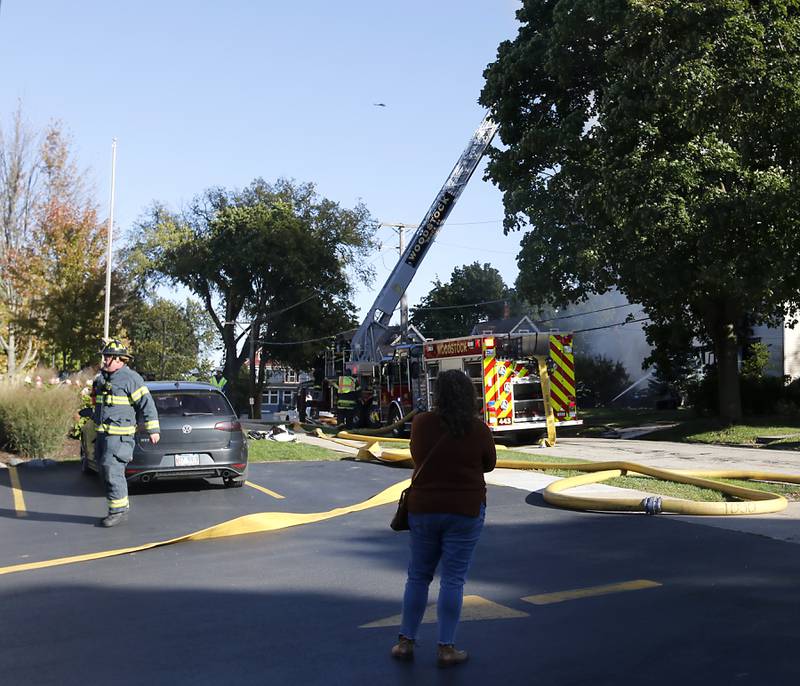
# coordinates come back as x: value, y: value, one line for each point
x: 538, y: 321
x: 414, y: 226
x: 309, y: 340
x: 609, y: 326
x: 456, y: 307
x: 333, y: 335
x: 290, y: 307
x: 472, y: 247
x: 581, y: 314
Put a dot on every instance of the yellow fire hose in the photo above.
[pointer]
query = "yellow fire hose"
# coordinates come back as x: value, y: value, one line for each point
x: 750, y: 501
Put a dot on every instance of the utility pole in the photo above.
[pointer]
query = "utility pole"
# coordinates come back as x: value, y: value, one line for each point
x: 400, y: 228
x: 107, y: 313
x: 253, y: 371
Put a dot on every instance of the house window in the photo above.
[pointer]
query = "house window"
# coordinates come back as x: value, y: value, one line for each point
x: 272, y: 397
x: 290, y: 376
x: 288, y: 398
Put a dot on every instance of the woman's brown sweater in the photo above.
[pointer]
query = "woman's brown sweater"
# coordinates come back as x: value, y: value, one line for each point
x: 451, y: 480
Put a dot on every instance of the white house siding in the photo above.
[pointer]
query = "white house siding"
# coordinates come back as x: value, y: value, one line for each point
x: 791, y: 356
x: 783, y: 344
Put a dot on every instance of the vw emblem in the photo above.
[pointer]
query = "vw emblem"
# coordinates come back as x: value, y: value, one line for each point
x: 186, y: 428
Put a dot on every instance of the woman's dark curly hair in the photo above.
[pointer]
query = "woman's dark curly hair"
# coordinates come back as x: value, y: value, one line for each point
x: 455, y: 401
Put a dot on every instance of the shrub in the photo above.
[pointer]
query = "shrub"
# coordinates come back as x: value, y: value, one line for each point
x: 761, y: 396
x: 35, y: 421
x: 599, y: 380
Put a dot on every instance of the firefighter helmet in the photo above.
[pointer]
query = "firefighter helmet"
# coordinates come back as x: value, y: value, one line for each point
x: 115, y: 347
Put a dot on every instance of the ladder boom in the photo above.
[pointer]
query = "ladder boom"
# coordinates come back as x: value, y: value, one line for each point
x: 374, y: 329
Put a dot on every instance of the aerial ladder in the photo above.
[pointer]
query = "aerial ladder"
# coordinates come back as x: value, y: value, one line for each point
x: 374, y: 330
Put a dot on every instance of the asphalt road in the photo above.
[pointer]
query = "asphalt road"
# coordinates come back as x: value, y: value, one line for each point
x: 295, y: 606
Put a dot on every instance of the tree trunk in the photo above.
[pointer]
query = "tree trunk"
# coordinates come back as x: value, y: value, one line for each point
x: 726, y: 347
x: 11, y: 353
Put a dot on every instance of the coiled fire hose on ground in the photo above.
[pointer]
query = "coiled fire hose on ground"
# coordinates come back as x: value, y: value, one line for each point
x: 750, y: 501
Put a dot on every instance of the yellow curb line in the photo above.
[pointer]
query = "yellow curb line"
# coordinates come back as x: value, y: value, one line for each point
x: 16, y: 490
x: 248, y: 524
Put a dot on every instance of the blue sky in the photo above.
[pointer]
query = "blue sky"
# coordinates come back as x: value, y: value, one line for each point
x: 201, y: 93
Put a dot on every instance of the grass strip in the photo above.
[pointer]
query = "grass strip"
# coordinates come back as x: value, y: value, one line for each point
x: 273, y: 451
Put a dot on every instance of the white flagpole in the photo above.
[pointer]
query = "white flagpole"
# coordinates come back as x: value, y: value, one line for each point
x: 110, y: 236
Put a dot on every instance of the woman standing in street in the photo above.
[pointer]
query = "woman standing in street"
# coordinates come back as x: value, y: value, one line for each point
x: 451, y: 449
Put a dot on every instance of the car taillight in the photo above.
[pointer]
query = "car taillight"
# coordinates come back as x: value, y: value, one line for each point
x: 228, y: 426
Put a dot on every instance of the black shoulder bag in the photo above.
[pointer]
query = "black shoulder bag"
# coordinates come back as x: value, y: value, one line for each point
x: 400, y: 520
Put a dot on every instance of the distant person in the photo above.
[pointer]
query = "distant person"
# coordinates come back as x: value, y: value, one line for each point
x: 119, y: 395
x: 451, y: 449
x: 302, y: 404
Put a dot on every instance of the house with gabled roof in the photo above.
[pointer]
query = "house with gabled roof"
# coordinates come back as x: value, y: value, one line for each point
x: 523, y: 324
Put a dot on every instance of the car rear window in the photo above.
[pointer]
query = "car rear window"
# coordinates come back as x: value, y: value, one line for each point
x: 187, y: 403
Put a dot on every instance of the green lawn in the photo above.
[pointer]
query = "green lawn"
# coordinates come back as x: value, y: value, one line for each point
x: 744, y: 434
x: 272, y: 451
x: 691, y: 429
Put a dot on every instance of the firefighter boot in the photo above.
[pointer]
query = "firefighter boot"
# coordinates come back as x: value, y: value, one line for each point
x: 114, y: 518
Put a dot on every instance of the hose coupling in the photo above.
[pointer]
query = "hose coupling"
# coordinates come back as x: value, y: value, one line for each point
x: 651, y: 505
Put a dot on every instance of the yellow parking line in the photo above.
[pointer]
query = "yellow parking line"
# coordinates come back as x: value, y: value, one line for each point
x: 264, y: 490
x: 561, y: 596
x: 16, y: 490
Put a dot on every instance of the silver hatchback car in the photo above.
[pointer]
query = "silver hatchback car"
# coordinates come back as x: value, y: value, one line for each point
x: 201, y: 437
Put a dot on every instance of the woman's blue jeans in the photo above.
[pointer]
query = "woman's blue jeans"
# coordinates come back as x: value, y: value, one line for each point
x: 450, y: 538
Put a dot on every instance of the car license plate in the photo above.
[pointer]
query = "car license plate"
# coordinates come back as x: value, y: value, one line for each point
x: 187, y: 460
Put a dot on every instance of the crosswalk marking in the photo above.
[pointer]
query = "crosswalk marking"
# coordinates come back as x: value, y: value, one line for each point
x: 474, y: 609
x: 574, y: 594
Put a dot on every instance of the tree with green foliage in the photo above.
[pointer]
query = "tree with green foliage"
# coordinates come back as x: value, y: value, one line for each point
x: 475, y: 293
x: 273, y: 264
x: 171, y: 341
x: 653, y: 145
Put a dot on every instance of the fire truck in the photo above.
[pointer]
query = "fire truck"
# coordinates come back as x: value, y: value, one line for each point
x: 525, y: 382
x: 521, y: 380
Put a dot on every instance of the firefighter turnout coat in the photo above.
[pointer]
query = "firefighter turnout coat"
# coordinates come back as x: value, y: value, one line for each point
x: 121, y: 397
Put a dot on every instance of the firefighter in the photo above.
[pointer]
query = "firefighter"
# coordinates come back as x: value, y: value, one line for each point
x: 120, y: 397
x: 301, y: 402
x: 346, y: 395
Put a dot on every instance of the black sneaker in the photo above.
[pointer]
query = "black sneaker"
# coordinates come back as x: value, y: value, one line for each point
x: 114, y: 518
